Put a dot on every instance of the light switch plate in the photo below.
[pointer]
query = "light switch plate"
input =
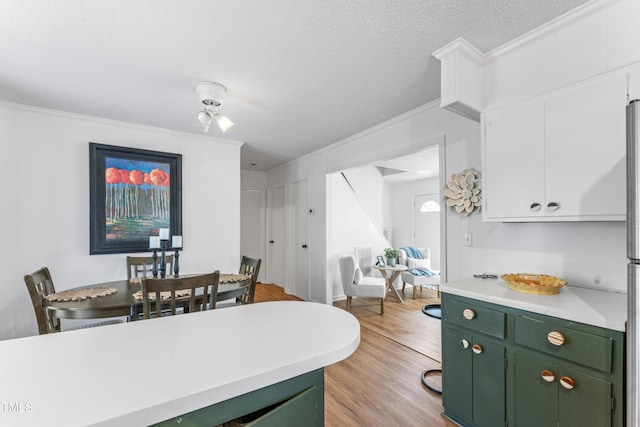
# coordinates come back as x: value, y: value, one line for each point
x: 466, y: 239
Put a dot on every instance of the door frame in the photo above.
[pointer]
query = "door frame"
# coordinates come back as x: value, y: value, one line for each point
x: 368, y: 159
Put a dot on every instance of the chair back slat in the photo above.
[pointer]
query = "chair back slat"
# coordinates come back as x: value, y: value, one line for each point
x: 142, y: 266
x: 200, y: 298
x: 249, y: 266
x: 40, y: 284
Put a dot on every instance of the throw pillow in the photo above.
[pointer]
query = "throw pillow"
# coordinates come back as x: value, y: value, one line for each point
x: 417, y: 264
x: 358, y: 276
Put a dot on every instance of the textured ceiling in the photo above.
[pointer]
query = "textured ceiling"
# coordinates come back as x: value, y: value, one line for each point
x: 300, y: 74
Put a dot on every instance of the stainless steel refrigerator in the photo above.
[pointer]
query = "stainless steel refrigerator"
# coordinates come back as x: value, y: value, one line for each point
x: 633, y: 270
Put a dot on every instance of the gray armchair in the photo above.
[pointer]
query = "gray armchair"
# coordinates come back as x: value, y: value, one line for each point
x: 430, y: 282
x: 355, y: 285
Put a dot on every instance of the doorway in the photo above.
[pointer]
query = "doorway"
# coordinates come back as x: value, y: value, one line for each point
x: 300, y: 224
x: 398, y: 188
x: 276, y: 248
x: 252, y: 222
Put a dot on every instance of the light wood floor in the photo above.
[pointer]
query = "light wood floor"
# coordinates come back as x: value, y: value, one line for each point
x: 379, y: 384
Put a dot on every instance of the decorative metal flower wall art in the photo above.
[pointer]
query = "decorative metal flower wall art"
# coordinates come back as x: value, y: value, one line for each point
x: 463, y: 192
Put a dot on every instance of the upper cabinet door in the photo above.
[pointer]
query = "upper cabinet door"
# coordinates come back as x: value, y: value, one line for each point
x: 561, y: 158
x: 585, y: 150
x: 513, y: 176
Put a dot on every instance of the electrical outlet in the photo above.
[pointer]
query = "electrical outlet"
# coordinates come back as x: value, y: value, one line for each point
x: 466, y: 239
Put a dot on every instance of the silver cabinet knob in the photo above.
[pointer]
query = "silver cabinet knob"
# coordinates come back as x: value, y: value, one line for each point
x: 468, y: 314
x: 477, y: 348
x: 535, y: 207
x: 464, y: 343
x: 553, y: 206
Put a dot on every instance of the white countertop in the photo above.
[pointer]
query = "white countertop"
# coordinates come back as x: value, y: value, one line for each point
x: 591, y: 306
x: 148, y: 371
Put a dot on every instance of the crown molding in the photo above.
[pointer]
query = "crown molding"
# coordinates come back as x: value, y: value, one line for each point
x: 551, y: 27
x: 111, y: 122
x: 462, y: 46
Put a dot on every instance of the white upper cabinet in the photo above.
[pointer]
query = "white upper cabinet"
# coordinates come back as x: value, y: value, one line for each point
x: 585, y: 145
x: 513, y: 175
x: 561, y: 158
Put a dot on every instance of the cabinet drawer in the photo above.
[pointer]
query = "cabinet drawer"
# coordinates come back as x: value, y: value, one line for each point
x: 587, y: 349
x: 471, y: 316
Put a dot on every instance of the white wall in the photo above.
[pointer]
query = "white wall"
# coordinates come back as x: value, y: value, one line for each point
x: 583, y: 253
x: 368, y: 186
x: 351, y: 226
x: 45, y: 202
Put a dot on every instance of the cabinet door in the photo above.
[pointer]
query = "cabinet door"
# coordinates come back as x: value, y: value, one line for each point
x: 585, y: 150
x: 488, y: 383
x: 587, y: 403
x: 514, y: 168
x: 536, y: 397
x: 548, y: 394
x: 473, y: 378
x: 457, y: 392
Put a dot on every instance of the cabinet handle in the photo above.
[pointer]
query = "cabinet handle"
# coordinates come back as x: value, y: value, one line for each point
x: 555, y: 338
x: 535, y: 207
x: 464, y: 344
x: 567, y: 383
x: 553, y: 206
x: 548, y: 376
x: 468, y: 314
x: 477, y: 348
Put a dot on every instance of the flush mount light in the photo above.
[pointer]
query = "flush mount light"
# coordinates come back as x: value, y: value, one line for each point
x: 206, y: 116
x: 211, y: 95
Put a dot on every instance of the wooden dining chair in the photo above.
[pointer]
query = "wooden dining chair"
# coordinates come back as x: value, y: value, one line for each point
x: 249, y: 266
x: 193, y: 293
x: 40, y: 284
x: 142, y: 266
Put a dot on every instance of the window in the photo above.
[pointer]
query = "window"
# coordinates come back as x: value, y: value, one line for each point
x: 430, y: 206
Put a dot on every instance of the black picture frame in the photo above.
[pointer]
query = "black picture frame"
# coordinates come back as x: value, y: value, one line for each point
x: 124, y: 214
x: 380, y: 262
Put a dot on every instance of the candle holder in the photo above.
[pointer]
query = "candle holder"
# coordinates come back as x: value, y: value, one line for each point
x: 154, y: 268
x: 163, y: 258
x: 176, y: 263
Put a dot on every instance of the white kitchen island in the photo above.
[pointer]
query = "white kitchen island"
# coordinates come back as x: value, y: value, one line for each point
x: 145, y: 372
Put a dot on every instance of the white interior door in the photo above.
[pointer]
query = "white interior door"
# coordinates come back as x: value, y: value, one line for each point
x: 251, y: 223
x: 426, y: 224
x: 276, y: 237
x: 300, y: 223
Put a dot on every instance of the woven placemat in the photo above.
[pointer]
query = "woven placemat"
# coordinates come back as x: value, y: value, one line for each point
x: 163, y: 295
x: 81, y: 294
x: 224, y: 278
x: 231, y: 278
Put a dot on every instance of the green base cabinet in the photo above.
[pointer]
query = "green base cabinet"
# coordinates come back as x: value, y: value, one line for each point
x: 295, y: 402
x: 532, y: 370
x: 545, y: 400
x: 475, y: 390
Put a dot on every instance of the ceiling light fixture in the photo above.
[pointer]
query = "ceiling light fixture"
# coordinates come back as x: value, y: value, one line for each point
x: 211, y: 95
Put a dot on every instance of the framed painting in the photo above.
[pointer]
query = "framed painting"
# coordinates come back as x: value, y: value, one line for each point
x: 133, y: 193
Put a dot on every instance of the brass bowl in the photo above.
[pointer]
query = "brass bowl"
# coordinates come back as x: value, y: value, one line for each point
x: 539, y: 284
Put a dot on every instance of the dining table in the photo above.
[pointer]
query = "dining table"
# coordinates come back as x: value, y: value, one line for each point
x: 123, y: 302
